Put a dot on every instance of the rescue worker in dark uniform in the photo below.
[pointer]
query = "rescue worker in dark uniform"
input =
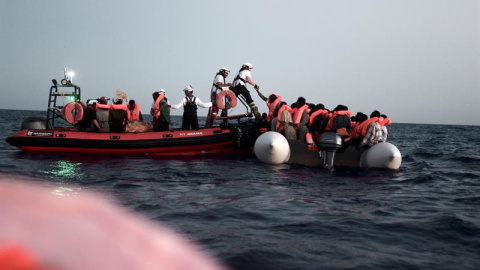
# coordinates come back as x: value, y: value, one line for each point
x: 190, y: 103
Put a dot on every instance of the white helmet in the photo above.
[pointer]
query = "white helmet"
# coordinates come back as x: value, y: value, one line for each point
x: 188, y: 89
x: 161, y: 91
x: 247, y: 65
x: 224, y: 69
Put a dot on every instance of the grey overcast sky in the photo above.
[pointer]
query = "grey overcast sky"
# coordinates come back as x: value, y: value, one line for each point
x: 418, y: 61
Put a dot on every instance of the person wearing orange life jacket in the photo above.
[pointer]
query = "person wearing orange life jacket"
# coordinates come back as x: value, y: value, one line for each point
x: 133, y: 111
x: 273, y: 103
x: 340, y: 121
x: 384, y: 122
x: 160, y: 111
x: 278, y: 122
x: 374, y: 116
x: 317, y: 120
x: 356, y: 128
x: 300, y: 119
x: 370, y: 131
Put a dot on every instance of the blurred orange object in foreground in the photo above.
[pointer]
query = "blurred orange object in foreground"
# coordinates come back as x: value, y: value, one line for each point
x: 86, y: 231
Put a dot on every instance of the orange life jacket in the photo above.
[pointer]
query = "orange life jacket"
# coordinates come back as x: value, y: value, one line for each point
x: 157, y: 105
x: 118, y: 107
x: 355, y: 129
x: 334, y: 114
x: 315, y: 114
x: 279, y: 116
x: 103, y: 106
x: 364, y: 125
x: 272, y: 106
x: 135, y: 113
x: 385, y: 122
x: 297, y: 115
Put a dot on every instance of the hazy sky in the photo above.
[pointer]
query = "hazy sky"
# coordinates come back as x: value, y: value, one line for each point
x: 418, y: 61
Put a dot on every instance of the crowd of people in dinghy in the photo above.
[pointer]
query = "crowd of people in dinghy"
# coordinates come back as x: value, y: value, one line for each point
x: 300, y: 120
x: 306, y: 121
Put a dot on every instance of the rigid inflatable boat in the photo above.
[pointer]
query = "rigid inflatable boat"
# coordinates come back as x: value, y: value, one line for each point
x: 40, y: 134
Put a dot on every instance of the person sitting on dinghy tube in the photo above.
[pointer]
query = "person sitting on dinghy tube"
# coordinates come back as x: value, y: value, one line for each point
x: 89, y: 121
x: 190, y: 103
x: 372, y: 132
x: 218, y: 83
x: 243, y: 77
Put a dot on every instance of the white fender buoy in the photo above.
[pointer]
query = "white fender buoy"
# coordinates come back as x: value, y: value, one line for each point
x: 382, y: 155
x: 272, y: 148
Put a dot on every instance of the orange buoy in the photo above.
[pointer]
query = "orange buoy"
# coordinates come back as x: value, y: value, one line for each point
x: 73, y: 112
x: 231, y: 98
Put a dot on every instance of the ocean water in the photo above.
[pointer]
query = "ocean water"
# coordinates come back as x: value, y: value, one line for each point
x: 251, y: 215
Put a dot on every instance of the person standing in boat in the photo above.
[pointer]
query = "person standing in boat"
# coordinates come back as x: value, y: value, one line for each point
x: 89, y: 121
x: 190, y: 103
x: 163, y: 121
x: 218, y: 83
x: 243, y: 77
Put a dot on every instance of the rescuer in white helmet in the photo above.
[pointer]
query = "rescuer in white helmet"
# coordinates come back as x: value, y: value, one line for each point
x: 243, y: 77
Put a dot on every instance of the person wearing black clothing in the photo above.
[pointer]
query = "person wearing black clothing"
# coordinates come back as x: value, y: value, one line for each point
x: 89, y: 121
x: 190, y: 103
x: 240, y: 82
x: 118, y: 117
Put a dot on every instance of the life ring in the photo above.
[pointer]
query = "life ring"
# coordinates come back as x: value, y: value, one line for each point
x: 231, y: 98
x: 68, y: 112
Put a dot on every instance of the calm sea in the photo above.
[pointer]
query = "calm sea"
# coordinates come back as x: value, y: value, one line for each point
x: 251, y: 215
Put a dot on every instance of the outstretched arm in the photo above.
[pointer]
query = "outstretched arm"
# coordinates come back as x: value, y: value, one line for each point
x: 179, y: 105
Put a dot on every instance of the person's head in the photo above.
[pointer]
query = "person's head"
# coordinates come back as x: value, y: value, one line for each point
x: 264, y: 115
x: 300, y: 102
x: 131, y: 104
x: 293, y: 105
x: 311, y: 106
x: 224, y: 72
x: 383, y: 115
x: 155, y: 95
x: 272, y: 98
x: 375, y: 114
x: 340, y: 107
x: 119, y: 101
x: 161, y: 91
x: 188, y: 90
x: 102, y: 100
x: 247, y: 66
x: 92, y: 102
x: 319, y: 106
x: 362, y: 117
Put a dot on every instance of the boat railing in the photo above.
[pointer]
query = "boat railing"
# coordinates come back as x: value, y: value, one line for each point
x: 70, y: 91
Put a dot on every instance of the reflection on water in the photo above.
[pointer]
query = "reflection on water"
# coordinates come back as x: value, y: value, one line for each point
x: 64, y: 169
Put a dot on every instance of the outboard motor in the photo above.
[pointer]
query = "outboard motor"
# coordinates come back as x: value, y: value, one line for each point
x: 35, y: 123
x: 329, y: 142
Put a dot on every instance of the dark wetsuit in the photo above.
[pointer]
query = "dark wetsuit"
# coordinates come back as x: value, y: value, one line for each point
x: 190, y: 114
